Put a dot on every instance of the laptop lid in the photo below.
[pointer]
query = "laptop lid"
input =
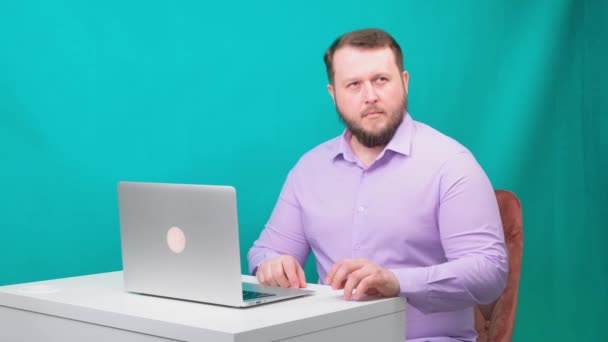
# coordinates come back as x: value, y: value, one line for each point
x: 181, y: 241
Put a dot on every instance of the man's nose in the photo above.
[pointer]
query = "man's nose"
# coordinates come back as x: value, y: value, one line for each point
x: 370, y: 93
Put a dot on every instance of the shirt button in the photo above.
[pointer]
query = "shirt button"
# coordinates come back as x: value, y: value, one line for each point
x: 357, y: 246
x: 361, y: 209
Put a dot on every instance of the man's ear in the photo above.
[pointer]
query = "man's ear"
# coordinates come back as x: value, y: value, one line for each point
x: 406, y: 78
x: 330, y: 89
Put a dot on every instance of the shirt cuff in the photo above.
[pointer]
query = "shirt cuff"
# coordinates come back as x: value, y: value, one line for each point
x: 412, y: 282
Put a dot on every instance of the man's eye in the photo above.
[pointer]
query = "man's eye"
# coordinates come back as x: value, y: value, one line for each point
x: 353, y: 84
x: 382, y: 79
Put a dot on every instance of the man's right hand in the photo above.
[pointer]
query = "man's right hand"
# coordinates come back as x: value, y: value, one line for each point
x: 281, y: 271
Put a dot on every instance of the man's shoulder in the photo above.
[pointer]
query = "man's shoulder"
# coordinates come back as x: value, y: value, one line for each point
x: 319, y: 155
x: 430, y: 143
x: 323, y: 151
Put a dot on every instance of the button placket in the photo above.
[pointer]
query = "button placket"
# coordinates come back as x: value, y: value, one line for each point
x: 359, y: 211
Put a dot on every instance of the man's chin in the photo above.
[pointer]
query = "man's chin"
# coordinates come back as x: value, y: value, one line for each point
x: 377, y: 130
x: 367, y: 136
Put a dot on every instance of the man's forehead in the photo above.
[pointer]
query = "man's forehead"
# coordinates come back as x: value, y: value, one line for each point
x: 350, y: 61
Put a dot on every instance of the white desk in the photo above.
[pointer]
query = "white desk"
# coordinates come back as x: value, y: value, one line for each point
x: 95, y: 308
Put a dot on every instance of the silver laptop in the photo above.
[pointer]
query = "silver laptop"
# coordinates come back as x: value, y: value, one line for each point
x: 181, y: 241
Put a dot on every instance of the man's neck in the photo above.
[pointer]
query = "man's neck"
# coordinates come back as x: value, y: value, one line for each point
x: 366, y: 155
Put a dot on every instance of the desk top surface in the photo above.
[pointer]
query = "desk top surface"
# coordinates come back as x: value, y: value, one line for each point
x: 100, y: 298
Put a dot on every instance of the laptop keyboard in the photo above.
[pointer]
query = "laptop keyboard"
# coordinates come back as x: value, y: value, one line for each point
x: 252, y: 295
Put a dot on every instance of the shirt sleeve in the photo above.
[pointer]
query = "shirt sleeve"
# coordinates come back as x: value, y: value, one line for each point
x: 283, y: 233
x: 472, y: 237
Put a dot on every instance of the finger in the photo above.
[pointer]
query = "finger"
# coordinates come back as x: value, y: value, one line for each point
x: 339, y: 276
x: 364, y: 285
x: 290, y: 269
x: 260, y: 275
x: 343, y: 273
x: 278, y: 273
x: 353, y: 281
x: 330, y: 276
x: 268, y: 276
x: 301, y: 276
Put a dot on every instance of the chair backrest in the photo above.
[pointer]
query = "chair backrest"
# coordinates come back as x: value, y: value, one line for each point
x: 494, y: 322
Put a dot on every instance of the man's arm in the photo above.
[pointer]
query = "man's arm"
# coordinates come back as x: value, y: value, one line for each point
x: 473, y: 241
x: 283, y: 234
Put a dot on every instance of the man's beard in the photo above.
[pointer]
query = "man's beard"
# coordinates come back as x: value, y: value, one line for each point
x: 381, y: 138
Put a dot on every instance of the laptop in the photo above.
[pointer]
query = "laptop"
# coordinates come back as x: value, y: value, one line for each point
x: 181, y: 241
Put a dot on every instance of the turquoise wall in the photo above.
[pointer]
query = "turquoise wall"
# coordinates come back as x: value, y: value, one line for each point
x: 93, y: 92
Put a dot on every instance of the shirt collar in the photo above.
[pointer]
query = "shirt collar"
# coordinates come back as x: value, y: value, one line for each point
x: 402, y: 140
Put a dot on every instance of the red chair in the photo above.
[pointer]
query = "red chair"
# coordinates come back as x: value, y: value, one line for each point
x: 494, y: 321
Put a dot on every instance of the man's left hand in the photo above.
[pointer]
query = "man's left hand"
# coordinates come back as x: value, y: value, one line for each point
x: 364, y: 277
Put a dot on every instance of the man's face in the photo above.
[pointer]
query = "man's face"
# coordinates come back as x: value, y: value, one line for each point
x: 370, y: 93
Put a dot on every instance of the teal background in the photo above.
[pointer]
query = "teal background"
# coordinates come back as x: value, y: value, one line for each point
x: 93, y: 92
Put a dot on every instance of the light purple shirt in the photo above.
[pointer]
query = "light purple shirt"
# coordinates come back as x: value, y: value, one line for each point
x: 423, y: 209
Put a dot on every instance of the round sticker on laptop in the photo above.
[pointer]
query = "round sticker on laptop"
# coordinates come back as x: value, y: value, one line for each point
x: 176, y: 240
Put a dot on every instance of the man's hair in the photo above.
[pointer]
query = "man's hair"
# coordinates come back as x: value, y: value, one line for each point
x: 362, y: 39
